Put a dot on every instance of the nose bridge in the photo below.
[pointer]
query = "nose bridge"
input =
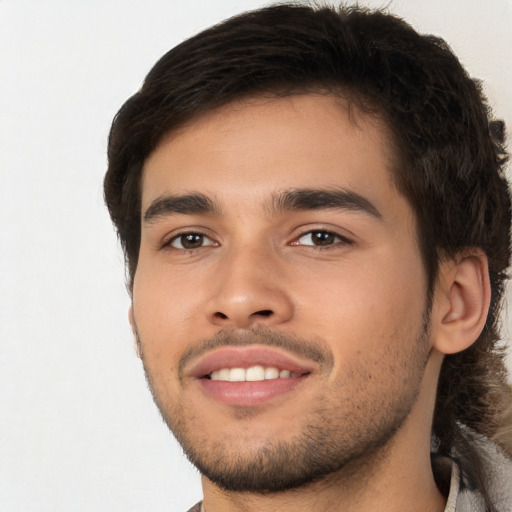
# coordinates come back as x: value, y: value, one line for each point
x: 249, y: 288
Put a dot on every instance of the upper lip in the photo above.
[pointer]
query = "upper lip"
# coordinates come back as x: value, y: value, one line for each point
x: 247, y: 356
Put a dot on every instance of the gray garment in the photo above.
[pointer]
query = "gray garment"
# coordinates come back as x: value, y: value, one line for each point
x: 464, y: 499
x: 461, y: 497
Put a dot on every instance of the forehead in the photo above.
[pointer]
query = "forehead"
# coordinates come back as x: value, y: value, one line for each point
x: 255, y: 147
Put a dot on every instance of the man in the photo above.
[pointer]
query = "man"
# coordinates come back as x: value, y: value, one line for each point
x: 316, y: 228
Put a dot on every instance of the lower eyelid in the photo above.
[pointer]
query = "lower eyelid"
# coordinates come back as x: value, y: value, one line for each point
x: 340, y: 238
x: 169, y: 241
x: 209, y: 241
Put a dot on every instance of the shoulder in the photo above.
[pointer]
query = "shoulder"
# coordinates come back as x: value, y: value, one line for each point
x: 498, y: 473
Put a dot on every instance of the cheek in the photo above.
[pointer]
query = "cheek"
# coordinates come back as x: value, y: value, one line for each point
x: 160, y: 308
x: 365, y: 306
x: 164, y: 295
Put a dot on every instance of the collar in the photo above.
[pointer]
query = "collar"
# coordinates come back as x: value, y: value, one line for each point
x: 451, y: 503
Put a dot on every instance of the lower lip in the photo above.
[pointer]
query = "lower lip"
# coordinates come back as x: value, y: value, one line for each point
x: 249, y: 394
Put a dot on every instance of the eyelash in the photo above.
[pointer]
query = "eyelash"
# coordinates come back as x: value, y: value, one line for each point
x: 341, y: 240
x: 168, y: 243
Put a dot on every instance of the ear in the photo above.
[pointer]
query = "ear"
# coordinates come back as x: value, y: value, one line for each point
x: 461, y: 301
x: 136, y: 339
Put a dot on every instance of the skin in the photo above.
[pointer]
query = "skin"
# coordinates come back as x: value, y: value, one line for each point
x: 360, y: 299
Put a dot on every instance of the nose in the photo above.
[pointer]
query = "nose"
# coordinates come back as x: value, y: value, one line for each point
x: 249, y: 289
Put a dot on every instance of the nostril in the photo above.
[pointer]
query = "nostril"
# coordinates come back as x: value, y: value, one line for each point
x: 263, y: 312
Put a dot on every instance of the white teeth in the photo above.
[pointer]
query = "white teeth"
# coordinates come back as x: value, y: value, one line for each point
x: 223, y: 374
x: 255, y: 373
x: 237, y: 375
x: 252, y: 374
x: 271, y: 373
x: 220, y: 374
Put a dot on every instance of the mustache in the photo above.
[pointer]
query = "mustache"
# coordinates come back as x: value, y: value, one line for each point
x: 259, y: 335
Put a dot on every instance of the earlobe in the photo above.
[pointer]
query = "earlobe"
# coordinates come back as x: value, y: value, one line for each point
x: 133, y: 325
x: 461, y: 301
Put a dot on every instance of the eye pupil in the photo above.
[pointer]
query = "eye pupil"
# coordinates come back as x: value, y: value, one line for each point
x: 192, y: 241
x: 322, y: 238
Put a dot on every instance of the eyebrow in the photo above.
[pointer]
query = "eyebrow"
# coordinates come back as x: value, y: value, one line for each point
x: 187, y: 204
x: 303, y: 199
x: 322, y: 199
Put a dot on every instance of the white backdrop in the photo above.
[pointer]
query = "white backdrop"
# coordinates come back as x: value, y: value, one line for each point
x: 78, y: 429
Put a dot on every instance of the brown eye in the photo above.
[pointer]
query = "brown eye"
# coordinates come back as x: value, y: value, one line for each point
x: 190, y: 241
x: 323, y: 238
x: 320, y: 239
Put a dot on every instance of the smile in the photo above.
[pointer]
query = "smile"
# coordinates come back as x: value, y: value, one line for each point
x: 249, y: 376
x: 252, y: 374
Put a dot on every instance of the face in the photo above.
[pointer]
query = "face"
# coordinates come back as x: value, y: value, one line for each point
x: 279, y: 299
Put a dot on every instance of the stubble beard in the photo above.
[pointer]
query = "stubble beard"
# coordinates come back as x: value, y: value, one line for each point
x: 344, y: 437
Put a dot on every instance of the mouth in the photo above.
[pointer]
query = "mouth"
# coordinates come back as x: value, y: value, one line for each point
x: 250, y: 375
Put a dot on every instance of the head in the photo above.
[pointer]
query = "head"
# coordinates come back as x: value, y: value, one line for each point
x: 442, y: 158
